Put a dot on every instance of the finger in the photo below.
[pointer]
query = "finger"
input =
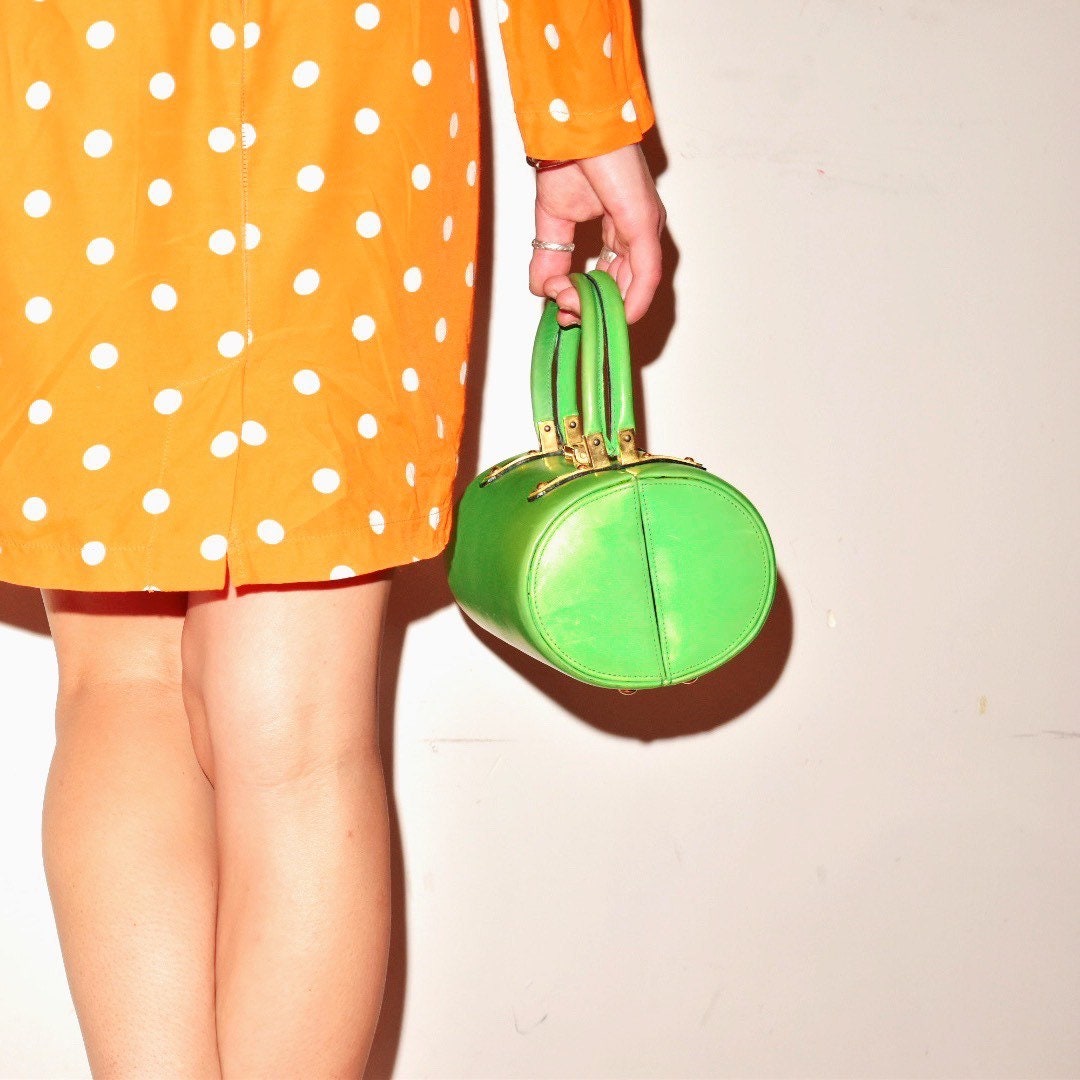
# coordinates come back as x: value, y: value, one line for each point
x: 546, y: 264
x: 640, y: 275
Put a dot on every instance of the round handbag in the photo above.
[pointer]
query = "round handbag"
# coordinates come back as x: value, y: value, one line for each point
x: 618, y: 567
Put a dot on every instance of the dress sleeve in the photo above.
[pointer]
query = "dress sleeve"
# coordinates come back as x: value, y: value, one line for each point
x: 575, y: 75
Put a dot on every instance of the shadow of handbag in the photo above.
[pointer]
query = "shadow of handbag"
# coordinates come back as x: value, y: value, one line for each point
x: 618, y: 567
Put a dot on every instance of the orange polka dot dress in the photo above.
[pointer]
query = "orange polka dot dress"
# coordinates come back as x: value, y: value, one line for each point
x: 239, y: 255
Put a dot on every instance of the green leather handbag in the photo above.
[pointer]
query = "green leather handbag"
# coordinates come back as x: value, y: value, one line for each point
x: 618, y: 567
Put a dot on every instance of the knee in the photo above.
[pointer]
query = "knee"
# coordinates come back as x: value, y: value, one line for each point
x: 272, y: 727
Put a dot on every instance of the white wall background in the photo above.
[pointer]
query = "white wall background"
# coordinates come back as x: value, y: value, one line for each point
x: 852, y: 852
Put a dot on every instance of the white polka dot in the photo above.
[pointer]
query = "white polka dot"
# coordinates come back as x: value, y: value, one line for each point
x: 551, y: 35
x: 447, y: 227
x: 363, y: 327
x: 367, y: 16
x: 156, y: 501
x: 222, y: 241
x: 438, y: 425
x: 470, y: 173
x: 96, y: 456
x: 410, y: 474
x: 306, y: 381
x: 454, y: 125
x: 367, y: 426
x: 504, y: 11
x: 167, y: 401
x: 607, y: 45
x: 222, y: 139
x: 38, y: 95
x: 252, y: 236
x: 38, y: 309
x: 469, y: 275
x: 163, y: 297
x: 159, y: 192
x: 368, y: 224
x: 326, y: 480
x: 39, y: 412
x: 376, y: 521
x: 440, y: 330
x: 559, y: 110
x: 37, y: 203
x: 214, y: 547
x: 162, y: 85
x: 421, y: 72
x: 104, y: 355
x: 310, y: 178
x: 101, y: 34
x: 270, y: 531
x: 421, y: 177
x: 97, y: 143
x: 231, y: 343
x: 34, y: 508
x: 629, y: 114
x: 413, y: 278
x: 247, y: 135
x: 93, y: 552
x: 306, y: 282
x: 222, y: 35
x: 409, y: 379
x: 253, y: 433
x: 367, y: 121
x: 100, y: 250
x: 455, y: 20
x: 433, y: 517
x: 305, y: 73
x: 342, y: 571
x: 251, y: 34
x: 224, y: 443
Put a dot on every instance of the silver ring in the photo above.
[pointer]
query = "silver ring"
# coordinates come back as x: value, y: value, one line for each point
x: 549, y: 245
x: 607, y: 255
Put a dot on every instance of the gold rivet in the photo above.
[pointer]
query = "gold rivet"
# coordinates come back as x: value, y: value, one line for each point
x: 573, y: 423
x: 547, y: 427
x: 596, y: 441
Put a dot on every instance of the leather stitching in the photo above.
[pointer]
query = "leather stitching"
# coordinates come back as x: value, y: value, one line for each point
x: 537, y: 556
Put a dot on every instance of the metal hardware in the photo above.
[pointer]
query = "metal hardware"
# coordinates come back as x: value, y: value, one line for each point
x: 628, y: 452
x: 575, y: 441
x: 597, y: 448
x: 549, y: 436
x: 497, y: 470
x: 623, y: 691
x: 643, y: 458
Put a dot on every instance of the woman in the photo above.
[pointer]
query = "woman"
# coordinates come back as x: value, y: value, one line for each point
x: 234, y: 316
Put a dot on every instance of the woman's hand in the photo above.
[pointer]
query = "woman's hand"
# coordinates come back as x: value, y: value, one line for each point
x: 619, y: 186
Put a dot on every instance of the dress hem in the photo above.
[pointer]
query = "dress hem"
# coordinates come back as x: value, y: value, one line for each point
x: 360, y: 552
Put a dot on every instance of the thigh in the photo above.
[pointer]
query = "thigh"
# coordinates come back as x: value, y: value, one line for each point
x: 286, y: 674
x: 116, y: 636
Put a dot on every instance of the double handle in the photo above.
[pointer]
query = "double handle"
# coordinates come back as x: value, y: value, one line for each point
x: 597, y: 434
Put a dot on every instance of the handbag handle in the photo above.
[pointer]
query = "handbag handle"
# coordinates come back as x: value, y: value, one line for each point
x: 605, y: 345
x: 555, y: 351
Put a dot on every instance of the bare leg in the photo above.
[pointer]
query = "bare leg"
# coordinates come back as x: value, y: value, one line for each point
x: 128, y: 838
x: 286, y: 676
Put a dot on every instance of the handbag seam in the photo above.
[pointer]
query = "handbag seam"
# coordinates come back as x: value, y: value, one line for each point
x: 537, y: 555
x: 764, y: 552
x: 658, y: 608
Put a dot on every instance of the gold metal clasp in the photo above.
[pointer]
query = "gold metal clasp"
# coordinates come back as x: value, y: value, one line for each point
x: 497, y: 470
